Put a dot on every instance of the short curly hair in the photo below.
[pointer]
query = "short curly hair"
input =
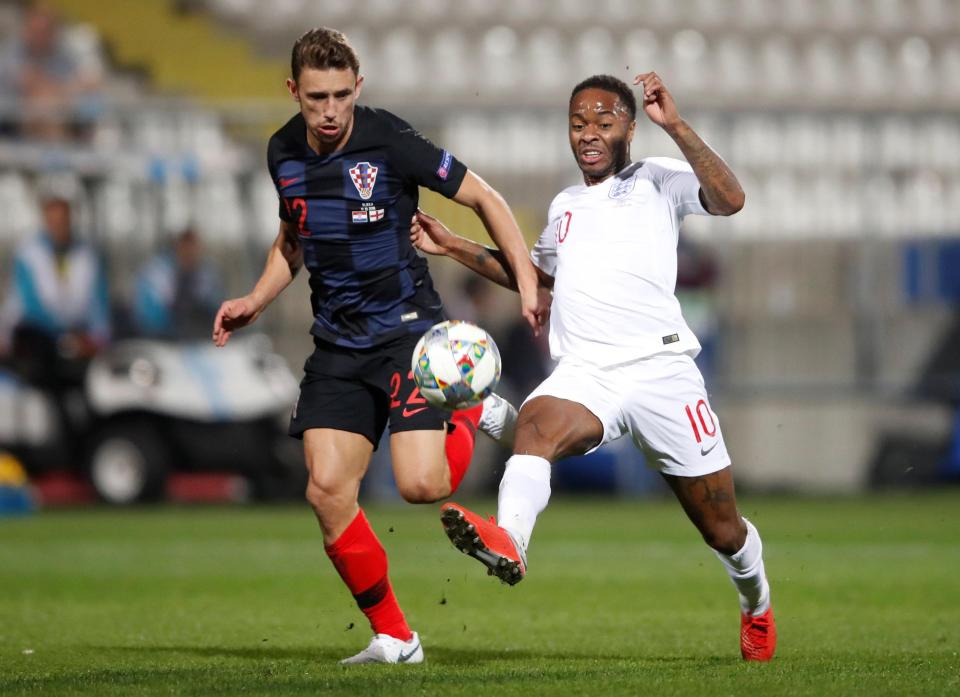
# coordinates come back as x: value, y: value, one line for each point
x: 610, y: 84
x: 323, y: 49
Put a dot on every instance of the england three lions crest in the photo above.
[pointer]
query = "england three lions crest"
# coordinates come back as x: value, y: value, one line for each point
x: 364, y: 176
x: 621, y: 188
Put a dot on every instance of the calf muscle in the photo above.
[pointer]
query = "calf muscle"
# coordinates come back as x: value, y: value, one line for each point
x: 711, y: 504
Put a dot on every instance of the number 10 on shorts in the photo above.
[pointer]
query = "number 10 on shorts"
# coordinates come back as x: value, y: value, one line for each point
x: 699, y: 421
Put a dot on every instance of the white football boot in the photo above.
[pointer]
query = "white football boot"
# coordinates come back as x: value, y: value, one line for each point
x: 499, y: 420
x: 384, y: 648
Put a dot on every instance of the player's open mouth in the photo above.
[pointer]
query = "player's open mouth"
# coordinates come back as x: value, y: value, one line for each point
x: 329, y: 130
x: 590, y: 157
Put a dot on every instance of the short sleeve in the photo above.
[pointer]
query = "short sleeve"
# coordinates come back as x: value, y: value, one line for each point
x: 679, y: 184
x: 424, y: 163
x: 544, y: 252
x: 282, y: 211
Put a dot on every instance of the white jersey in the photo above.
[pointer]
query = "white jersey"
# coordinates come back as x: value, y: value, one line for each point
x: 612, y: 249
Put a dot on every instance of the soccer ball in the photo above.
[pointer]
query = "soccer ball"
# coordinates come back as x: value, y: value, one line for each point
x: 456, y: 365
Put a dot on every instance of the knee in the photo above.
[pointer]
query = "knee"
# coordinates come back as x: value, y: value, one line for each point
x: 324, y: 494
x: 422, y: 489
x: 552, y: 431
x: 727, y: 537
x: 535, y: 439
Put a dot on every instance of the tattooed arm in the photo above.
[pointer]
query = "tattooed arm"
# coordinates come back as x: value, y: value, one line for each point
x: 719, y: 188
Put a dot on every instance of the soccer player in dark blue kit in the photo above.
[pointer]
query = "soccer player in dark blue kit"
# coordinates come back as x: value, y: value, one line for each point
x: 348, y: 177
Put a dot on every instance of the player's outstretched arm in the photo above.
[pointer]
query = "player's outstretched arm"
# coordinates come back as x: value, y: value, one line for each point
x: 498, y: 219
x: 433, y: 237
x: 722, y: 193
x: 283, y: 262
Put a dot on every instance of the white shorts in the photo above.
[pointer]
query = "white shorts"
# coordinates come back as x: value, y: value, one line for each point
x: 660, y: 401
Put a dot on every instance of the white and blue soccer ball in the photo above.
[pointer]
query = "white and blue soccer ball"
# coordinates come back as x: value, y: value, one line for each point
x: 456, y: 365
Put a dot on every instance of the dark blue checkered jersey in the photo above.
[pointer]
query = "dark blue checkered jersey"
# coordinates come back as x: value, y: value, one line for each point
x: 353, y: 209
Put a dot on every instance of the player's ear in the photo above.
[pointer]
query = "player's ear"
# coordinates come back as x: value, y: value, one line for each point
x: 358, y: 87
x: 293, y: 89
x: 630, y: 128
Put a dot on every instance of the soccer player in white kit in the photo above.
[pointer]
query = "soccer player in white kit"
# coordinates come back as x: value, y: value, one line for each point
x: 624, y: 352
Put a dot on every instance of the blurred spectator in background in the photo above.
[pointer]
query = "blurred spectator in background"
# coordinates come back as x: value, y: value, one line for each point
x: 57, y: 304
x: 940, y: 375
x: 474, y: 302
x: 525, y: 358
x: 178, y: 291
x: 696, y: 280
x: 50, y: 80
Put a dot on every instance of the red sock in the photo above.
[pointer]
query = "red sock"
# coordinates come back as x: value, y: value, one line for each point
x: 460, y: 440
x: 362, y: 564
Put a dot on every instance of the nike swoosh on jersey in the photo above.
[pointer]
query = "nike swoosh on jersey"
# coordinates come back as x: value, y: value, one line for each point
x: 412, y: 412
x: 288, y: 182
x: 707, y: 450
x: 403, y: 658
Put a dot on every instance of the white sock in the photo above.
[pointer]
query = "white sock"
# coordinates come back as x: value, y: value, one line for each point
x: 746, y: 571
x: 524, y: 492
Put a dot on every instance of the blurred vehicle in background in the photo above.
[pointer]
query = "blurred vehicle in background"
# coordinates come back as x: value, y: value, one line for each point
x: 144, y: 409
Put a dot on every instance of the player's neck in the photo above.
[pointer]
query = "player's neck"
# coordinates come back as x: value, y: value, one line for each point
x: 593, y: 180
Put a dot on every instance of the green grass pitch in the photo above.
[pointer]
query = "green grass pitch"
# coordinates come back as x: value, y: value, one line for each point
x: 622, y: 599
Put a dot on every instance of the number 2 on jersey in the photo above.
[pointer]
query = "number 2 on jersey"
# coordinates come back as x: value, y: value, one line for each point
x: 300, y: 206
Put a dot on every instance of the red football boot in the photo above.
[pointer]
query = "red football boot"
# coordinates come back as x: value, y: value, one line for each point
x: 758, y: 636
x: 485, y: 541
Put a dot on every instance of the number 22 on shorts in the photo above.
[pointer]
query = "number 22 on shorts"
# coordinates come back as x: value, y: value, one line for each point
x: 414, y: 400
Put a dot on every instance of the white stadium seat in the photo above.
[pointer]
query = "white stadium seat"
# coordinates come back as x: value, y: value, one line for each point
x: 642, y: 51
x: 546, y: 57
x: 450, y: 54
x: 823, y: 71
x: 221, y: 194
x: 594, y: 52
x: 499, y: 47
x: 20, y: 215
x: 778, y: 65
x: 264, y: 205
x: 401, y: 61
x: 116, y: 201
x: 735, y: 72
x: 948, y: 72
x: 870, y: 74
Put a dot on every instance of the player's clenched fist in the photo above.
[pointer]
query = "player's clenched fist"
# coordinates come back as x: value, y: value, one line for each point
x: 232, y: 315
x: 428, y: 234
x: 658, y: 103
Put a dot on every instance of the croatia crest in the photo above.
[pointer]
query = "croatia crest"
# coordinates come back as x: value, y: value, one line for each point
x: 364, y: 176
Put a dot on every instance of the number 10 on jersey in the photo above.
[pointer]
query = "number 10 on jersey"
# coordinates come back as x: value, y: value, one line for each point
x: 563, y: 226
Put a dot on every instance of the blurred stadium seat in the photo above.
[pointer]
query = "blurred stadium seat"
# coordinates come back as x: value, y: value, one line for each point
x: 19, y: 209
